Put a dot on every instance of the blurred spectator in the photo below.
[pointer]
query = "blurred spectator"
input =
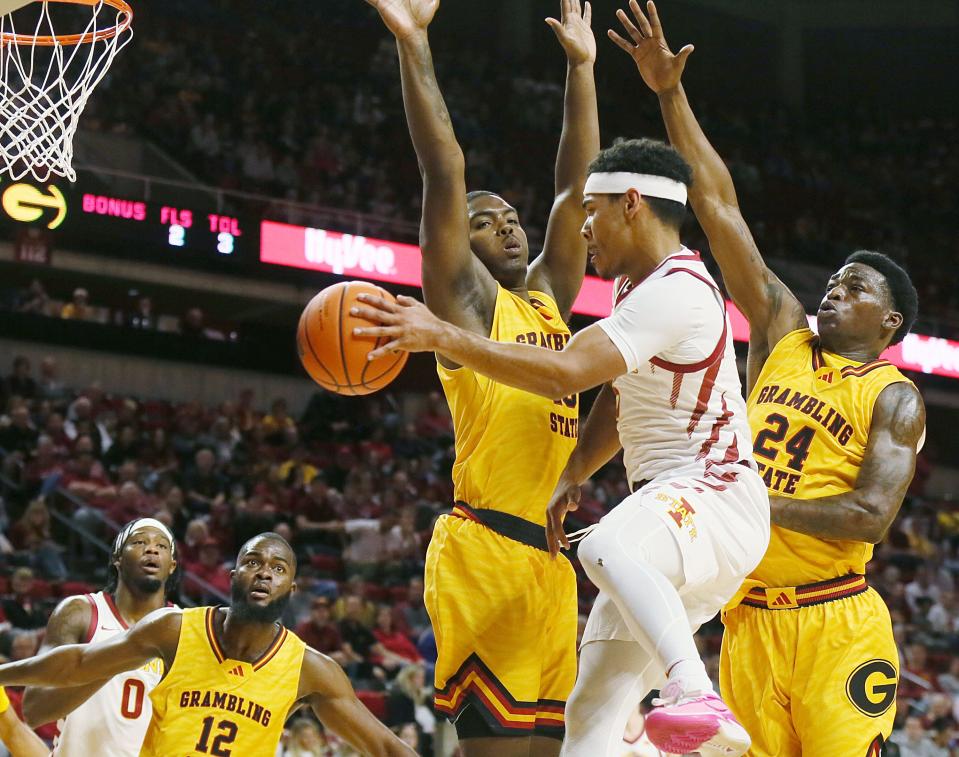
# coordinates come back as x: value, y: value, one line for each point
x: 305, y: 740
x: 393, y: 640
x: 410, y: 701
x: 409, y: 734
x: 410, y: 615
x: 49, y: 386
x: 203, y: 483
x: 209, y: 568
x: 20, y: 383
x: 34, y: 299
x: 81, y: 419
x: 913, y: 742
x: 32, y: 534
x: 359, y: 643
x: 278, y: 420
x: 321, y: 633
x: 85, y: 476
x: 21, y: 608
x: 78, y: 309
x: 19, y: 435
x: 143, y: 316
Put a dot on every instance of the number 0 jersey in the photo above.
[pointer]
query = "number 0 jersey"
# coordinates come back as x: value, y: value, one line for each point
x: 209, y: 704
x: 810, y: 413
x: 113, y: 721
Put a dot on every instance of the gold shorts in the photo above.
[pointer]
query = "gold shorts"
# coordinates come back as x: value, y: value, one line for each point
x: 504, y: 615
x: 816, y: 678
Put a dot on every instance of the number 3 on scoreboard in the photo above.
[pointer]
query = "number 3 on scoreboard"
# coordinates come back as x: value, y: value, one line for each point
x: 227, y: 733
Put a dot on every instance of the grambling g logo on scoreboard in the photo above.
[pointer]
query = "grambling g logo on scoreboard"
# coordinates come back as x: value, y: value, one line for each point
x: 26, y: 203
x: 872, y: 687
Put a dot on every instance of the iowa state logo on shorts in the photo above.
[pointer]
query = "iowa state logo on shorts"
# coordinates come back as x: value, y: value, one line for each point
x: 872, y: 687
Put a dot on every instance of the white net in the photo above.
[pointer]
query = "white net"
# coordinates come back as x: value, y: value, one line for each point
x: 46, y: 77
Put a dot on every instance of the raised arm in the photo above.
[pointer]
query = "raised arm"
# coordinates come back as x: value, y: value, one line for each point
x: 773, y: 311
x: 156, y: 635
x: 68, y: 624
x: 327, y: 689
x: 598, y: 442
x: 866, y: 512
x: 455, y: 283
x: 560, y: 268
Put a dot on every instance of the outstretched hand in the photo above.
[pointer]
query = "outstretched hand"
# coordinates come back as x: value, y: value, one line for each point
x: 406, y: 17
x: 574, y: 33
x: 407, y: 324
x: 660, y: 69
x: 565, y: 499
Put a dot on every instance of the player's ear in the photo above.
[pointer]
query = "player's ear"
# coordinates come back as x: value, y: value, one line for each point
x: 632, y: 203
x: 893, y: 320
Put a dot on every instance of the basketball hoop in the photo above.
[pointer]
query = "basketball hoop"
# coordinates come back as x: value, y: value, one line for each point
x: 46, y: 79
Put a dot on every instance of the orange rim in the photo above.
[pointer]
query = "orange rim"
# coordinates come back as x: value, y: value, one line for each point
x: 75, y: 39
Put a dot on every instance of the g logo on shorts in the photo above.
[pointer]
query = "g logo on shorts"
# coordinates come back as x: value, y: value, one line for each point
x: 872, y: 687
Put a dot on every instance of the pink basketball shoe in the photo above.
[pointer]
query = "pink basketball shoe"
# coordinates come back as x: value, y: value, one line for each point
x: 693, y: 721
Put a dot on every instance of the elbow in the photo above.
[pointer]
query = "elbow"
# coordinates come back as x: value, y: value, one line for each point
x: 876, y: 529
x: 875, y: 522
x: 558, y: 385
x: 33, y: 714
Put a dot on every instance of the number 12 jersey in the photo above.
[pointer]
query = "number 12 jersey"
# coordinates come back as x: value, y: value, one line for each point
x: 209, y: 704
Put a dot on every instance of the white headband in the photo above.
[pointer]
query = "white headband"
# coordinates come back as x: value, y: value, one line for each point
x: 131, y: 529
x: 646, y: 184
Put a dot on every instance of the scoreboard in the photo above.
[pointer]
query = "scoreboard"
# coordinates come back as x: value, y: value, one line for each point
x: 89, y: 220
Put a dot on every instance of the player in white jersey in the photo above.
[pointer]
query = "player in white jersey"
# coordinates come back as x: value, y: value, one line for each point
x: 109, y: 718
x: 670, y: 555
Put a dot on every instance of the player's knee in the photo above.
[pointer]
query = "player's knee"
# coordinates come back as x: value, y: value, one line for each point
x: 598, y: 553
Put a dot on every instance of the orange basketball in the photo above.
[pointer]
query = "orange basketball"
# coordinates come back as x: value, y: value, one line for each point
x: 334, y: 358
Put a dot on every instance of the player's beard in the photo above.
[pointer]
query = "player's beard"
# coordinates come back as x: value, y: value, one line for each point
x: 142, y: 584
x: 242, y: 609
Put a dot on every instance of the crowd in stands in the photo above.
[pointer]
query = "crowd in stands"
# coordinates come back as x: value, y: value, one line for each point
x: 312, y: 112
x: 354, y: 485
x: 135, y: 312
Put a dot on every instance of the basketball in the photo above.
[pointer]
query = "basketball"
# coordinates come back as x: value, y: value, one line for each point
x: 334, y: 358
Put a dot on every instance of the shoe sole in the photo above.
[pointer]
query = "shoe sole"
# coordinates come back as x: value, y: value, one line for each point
x: 725, y: 739
x: 731, y: 740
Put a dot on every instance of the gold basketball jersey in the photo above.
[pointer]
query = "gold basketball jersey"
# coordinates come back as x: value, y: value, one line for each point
x: 211, y: 705
x: 511, y: 445
x: 810, y: 413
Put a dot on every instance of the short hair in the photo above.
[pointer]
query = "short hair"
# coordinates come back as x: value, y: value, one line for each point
x: 272, y: 536
x: 477, y: 193
x: 648, y: 156
x: 905, y: 299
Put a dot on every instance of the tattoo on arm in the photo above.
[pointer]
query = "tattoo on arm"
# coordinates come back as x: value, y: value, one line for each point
x: 866, y: 512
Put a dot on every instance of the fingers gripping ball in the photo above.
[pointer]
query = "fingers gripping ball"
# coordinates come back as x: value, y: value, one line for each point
x: 332, y: 355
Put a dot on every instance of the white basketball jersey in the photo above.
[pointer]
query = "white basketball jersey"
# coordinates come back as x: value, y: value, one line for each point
x: 680, y: 409
x: 113, y: 722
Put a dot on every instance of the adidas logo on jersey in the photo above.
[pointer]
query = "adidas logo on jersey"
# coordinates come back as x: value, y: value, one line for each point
x: 237, y: 671
x: 782, y: 599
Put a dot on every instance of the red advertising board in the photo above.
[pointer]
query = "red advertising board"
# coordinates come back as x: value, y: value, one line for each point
x: 360, y: 257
